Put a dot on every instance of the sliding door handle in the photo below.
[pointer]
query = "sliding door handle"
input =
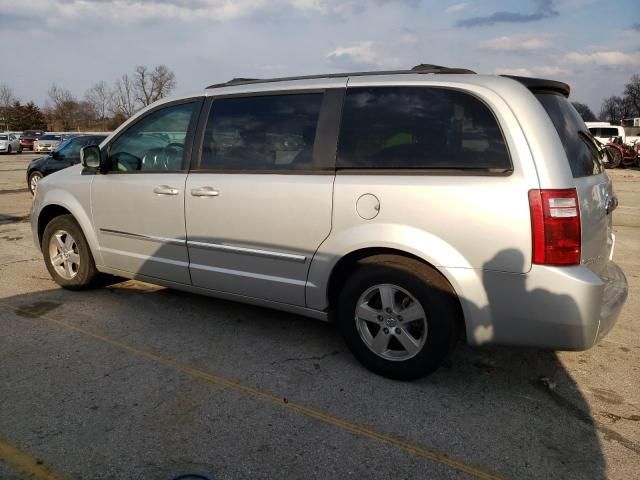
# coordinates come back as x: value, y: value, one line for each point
x: 166, y: 190
x: 205, y: 192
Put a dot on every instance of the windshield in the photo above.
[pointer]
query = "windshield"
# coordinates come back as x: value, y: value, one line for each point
x: 49, y: 137
x: 62, y: 145
x: 4, y: 137
x: 582, y: 153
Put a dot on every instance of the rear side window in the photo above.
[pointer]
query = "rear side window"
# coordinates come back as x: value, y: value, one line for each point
x: 264, y: 133
x: 419, y: 127
x: 583, y: 155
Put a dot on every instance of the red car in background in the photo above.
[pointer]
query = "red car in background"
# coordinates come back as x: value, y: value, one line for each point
x: 28, y: 137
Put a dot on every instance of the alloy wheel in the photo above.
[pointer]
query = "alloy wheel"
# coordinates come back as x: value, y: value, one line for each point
x: 64, y: 255
x: 391, y: 322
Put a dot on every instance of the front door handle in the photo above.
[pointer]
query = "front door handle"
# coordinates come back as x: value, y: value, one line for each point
x: 166, y: 190
x: 205, y: 192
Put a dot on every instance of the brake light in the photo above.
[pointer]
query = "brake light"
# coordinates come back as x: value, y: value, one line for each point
x: 555, y: 226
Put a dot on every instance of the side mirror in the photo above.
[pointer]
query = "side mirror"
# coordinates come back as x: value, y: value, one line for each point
x: 91, y: 157
x: 55, y: 155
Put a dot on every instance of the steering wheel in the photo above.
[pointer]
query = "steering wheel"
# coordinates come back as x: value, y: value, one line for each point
x: 173, y: 154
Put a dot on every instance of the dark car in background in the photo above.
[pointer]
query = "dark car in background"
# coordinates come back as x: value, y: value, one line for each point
x: 28, y: 137
x: 63, y: 156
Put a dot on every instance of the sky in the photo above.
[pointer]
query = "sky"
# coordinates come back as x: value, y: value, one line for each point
x: 592, y: 45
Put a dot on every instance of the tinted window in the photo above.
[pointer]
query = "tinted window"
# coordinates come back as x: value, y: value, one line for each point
x: 604, y: 132
x: 582, y: 153
x: 154, y: 143
x: 275, y: 132
x: 418, y: 127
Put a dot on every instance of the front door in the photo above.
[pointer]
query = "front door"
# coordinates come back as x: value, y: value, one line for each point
x: 138, y: 206
x: 259, y: 203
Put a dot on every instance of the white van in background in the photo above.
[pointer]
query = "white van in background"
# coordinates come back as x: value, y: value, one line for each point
x: 604, y: 131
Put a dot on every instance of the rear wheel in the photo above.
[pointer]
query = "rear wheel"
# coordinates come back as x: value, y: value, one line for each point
x: 399, y: 317
x: 67, y: 254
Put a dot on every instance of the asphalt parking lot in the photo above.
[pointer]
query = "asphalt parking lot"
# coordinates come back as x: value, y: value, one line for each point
x: 140, y: 382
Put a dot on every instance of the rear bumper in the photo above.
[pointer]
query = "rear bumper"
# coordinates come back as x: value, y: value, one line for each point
x: 614, y: 296
x: 555, y: 308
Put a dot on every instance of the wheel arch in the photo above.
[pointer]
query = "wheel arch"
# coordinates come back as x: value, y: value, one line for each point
x: 55, y: 209
x: 347, y: 263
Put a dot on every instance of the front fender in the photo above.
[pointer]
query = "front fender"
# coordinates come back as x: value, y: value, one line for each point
x: 76, y: 200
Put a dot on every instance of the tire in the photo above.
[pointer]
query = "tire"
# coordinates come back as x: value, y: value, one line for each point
x: 32, y: 183
x: 76, y: 270
x: 9, y: 150
x: 615, y: 157
x: 430, y: 324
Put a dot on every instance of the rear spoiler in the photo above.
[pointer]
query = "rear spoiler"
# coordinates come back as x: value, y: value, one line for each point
x: 540, y: 85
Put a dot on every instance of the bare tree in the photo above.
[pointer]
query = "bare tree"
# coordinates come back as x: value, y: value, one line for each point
x: 584, y: 111
x: 65, y: 108
x: 7, y: 98
x: 610, y: 109
x: 632, y: 93
x: 123, y: 101
x: 99, y: 98
x: 153, y: 85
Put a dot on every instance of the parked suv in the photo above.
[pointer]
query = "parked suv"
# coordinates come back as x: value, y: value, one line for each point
x: 410, y: 207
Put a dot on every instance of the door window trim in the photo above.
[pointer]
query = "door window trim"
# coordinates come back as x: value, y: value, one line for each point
x: 197, y: 101
x: 325, y: 145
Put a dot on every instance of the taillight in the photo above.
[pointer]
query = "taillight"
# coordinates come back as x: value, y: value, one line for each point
x: 555, y: 226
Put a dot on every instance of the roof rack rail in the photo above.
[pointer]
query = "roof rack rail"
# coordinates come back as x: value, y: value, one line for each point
x: 418, y: 69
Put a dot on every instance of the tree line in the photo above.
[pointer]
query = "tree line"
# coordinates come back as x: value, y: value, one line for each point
x: 616, y: 108
x: 103, y: 106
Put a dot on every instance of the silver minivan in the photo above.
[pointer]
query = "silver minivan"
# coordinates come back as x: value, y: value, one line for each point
x: 411, y: 208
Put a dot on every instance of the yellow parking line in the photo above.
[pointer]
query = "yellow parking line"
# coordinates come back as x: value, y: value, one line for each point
x: 24, y: 463
x: 349, y: 426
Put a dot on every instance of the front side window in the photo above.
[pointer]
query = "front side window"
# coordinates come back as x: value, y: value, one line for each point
x: 155, y: 143
x: 269, y: 133
x: 419, y: 127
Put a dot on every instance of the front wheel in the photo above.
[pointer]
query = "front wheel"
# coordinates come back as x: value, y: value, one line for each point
x: 398, y: 317
x: 34, y: 179
x: 67, y: 254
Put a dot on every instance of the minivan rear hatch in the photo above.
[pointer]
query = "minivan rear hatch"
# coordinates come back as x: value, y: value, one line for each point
x: 593, y: 185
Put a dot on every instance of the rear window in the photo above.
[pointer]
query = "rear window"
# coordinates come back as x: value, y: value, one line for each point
x: 419, y: 128
x: 583, y: 155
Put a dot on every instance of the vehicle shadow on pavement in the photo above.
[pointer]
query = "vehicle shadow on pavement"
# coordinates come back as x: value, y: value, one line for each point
x: 515, y: 412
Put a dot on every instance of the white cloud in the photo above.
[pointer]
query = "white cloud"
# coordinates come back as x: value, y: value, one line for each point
x: 408, y: 38
x: 361, y: 53
x: 605, y: 58
x: 535, y: 71
x: 456, y: 8
x: 521, y: 72
x: 58, y: 12
x: 518, y: 43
